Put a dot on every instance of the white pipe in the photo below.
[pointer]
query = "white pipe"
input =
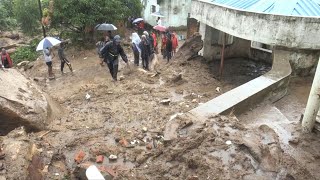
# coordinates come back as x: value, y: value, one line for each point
x: 313, y: 104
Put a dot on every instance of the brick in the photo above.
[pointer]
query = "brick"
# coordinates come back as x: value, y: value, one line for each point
x: 99, y: 159
x: 79, y: 157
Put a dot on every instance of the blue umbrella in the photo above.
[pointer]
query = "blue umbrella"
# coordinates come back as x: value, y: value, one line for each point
x: 47, y: 42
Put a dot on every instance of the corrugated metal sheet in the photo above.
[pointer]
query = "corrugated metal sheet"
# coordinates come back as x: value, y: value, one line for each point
x: 282, y: 7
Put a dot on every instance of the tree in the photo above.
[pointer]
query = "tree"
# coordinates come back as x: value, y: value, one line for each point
x: 7, y: 19
x: 27, y: 15
x: 81, y: 16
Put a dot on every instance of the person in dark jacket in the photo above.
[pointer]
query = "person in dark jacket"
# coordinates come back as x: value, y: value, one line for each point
x: 63, y: 57
x: 145, y: 51
x: 150, y: 40
x: 111, y: 52
x: 168, y: 46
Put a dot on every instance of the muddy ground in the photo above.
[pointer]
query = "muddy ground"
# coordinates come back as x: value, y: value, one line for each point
x: 127, y: 119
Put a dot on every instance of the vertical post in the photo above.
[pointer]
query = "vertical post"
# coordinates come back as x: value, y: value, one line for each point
x: 222, y: 54
x: 41, y: 15
x: 313, y: 104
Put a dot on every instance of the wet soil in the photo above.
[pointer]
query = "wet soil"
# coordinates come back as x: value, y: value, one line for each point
x: 127, y: 119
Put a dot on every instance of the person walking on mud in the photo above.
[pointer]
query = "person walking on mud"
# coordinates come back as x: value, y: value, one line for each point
x: 168, y: 46
x: 135, y: 47
x: 111, y: 52
x: 63, y: 58
x: 48, y: 60
x: 145, y: 52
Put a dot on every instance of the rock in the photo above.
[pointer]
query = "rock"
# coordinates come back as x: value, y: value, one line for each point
x: 29, y: 66
x: 22, y: 103
x: 141, y: 158
x: 99, y: 159
x: 165, y: 101
x: 107, y: 172
x: 294, y: 140
x: 121, y: 78
x: 80, y: 171
x: 144, y: 129
x: 23, y: 63
x: 37, y: 79
x: 87, y: 96
x: 113, y: 157
x: 218, y: 89
x: 18, y: 150
x: 191, y: 47
x: 149, y: 146
x: 79, y: 157
x: 193, y: 178
x: 194, y: 100
x: 124, y: 142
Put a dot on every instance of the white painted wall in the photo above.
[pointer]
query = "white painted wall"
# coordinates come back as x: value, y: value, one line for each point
x: 175, y: 12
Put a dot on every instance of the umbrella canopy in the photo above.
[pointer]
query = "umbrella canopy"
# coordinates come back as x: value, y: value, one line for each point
x: 106, y: 27
x: 160, y: 28
x: 157, y: 14
x: 137, y: 20
x: 47, y: 42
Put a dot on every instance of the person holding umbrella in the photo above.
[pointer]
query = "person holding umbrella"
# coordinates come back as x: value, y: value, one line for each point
x: 48, y: 60
x: 45, y: 45
x: 111, y: 52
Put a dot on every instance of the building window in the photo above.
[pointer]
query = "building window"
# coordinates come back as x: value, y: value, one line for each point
x: 261, y: 46
x: 153, y: 8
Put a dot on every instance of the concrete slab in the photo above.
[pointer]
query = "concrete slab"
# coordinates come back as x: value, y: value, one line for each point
x: 272, y: 85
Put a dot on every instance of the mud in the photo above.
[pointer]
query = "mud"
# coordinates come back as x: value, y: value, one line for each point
x: 127, y: 119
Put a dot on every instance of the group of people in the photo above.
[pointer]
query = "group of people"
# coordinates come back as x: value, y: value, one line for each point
x: 48, y: 55
x: 143, y: 47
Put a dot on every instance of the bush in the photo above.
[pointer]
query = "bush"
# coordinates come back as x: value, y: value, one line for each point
x: 26, y: 53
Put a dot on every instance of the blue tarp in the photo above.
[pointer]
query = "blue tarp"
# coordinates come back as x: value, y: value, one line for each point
x: 282, y: 7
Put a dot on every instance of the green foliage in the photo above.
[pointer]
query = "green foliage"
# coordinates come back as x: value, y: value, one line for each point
x: 81, y: 16
x: 26, y: 53
x: 27, y: 15
x: 7, y: 20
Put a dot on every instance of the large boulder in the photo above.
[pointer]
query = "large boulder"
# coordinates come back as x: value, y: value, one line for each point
x: 21, y: 103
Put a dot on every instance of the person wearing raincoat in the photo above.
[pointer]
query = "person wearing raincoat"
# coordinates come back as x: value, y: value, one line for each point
x: 174, y: 40
x: 5, y: 59
x: 145, y: 51
x: 111, y: 52
x: 135, y: 41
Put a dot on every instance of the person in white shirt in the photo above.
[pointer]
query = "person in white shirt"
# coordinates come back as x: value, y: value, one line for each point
x: 159, y: 21
x: 48, y: 60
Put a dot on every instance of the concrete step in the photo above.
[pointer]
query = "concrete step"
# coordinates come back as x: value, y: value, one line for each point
x: 272, y: 86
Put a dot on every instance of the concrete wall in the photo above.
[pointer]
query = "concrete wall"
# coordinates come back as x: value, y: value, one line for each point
x: 238, y: 48
x: 175, y: 12
x: 286, y: 31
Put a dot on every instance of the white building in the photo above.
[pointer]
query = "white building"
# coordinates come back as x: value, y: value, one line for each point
x: 175, y: 12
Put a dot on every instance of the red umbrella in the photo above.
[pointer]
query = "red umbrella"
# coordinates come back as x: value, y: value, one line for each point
x: 160, y: 28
